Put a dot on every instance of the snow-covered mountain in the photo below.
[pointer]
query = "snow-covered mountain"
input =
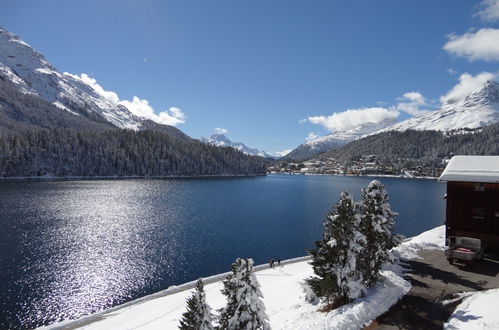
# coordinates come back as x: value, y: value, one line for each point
x: 33, y: 74
x: 479, y: 108
x: 221, y: 140
x: 335, y: 140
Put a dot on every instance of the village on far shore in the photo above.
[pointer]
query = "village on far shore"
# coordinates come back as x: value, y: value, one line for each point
x: 365, y: 165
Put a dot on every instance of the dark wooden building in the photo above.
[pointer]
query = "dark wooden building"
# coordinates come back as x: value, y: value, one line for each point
x: 473, y: 199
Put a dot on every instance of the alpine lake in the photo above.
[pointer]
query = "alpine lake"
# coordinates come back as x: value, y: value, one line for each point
x: 71, y: 248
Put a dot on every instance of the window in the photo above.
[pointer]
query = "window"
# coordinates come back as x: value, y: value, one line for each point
x: 478, y: 187
x: 478, y: 213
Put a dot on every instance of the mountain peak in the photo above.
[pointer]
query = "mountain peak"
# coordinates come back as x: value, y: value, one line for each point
x: 488, y: 93
x: 220, y: 137
x: 14, y: 52
x: 33, y: 74
x: 491, y: 84
x: 221, y: 140
x: 478, y: 108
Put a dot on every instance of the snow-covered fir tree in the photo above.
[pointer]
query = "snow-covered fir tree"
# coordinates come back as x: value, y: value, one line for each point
x: 198, y: 314
x: 335, y: 259
x: 244, y: 309
x: 377, y: 219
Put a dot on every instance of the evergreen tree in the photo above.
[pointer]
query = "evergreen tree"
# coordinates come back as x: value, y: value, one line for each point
x: 244, y: 309
x: 335, y: 259
x: 377, y: 219
x: 198, y: 314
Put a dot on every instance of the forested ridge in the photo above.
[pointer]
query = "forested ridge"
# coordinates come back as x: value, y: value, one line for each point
x: 70, y: 152
x: 427, y: 147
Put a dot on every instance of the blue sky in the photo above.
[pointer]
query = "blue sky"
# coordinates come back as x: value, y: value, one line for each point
x: 259, y: 68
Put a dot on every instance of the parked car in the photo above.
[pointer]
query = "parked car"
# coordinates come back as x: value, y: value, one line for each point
x: 464, y: 250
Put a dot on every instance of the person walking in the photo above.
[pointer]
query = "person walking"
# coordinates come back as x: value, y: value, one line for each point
x: 278, y: 262
x: 271, y: 262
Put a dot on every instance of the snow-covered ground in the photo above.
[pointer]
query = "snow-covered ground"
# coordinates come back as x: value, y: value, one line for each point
x: 284, y: 297
x: 477, y: 311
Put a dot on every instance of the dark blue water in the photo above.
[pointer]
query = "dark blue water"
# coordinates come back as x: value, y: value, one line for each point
x: 69, y: 248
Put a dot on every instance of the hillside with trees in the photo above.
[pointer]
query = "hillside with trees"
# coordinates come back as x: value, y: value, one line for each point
x: 70, y: 152
x: 426, y: 148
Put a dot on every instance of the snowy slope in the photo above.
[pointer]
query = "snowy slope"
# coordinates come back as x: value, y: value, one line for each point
x: 284, y: 297
x: 479, y: 108
x: 335, y: 140
x: 221, y: 140
x: 32, y: 73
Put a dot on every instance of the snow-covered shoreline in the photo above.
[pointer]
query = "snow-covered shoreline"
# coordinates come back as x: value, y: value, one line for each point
x: 284, y: 297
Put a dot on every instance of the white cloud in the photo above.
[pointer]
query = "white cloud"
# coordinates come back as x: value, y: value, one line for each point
x: 412, y: 103
x: 353, y: 118
x: 467, y: 84
x: 220, y: 130
x: 140, y: 107
x: 451, y: 71
x: 481, y: 45
x: 311, y: 136
x: 413, y: 97
x: 282, y: 153
x: 489, y: 11
x: 111, y: 96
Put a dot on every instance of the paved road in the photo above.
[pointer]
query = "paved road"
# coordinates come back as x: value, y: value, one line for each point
x: 433, y: 280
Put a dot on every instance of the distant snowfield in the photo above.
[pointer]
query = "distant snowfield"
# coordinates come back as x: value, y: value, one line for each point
x: 284, y: 297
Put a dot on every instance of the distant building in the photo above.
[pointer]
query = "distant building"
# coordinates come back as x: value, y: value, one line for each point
x: 473, y: 199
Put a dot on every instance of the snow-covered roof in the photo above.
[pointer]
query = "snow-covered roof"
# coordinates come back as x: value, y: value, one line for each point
x: 472, y: 169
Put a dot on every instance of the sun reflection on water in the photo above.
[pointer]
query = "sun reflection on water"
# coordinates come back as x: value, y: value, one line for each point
x: 98, y: 249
